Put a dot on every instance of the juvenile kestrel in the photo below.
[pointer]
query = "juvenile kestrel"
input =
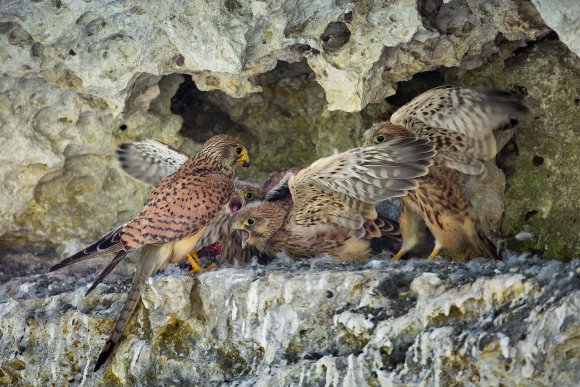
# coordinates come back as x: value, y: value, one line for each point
x: 459, y: 123
x: 171, y: 222
x: 331, y: 204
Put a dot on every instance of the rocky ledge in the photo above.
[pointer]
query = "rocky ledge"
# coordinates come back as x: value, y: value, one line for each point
x: 319, y: 322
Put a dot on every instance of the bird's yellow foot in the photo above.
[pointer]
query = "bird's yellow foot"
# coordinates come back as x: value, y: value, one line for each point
x: 397, y: 256
x: 194, y: 265
x: 434, y: 253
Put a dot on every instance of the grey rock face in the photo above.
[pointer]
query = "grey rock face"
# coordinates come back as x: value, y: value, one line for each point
x: 437, y: 323
x: 563, y: 16
x: 223, y: 44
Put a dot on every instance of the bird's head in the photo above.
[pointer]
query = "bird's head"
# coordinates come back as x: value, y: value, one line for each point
x: 382, y: 132
x: 249, y: 193
x: 244, y: 194
x: 258, y: 223
x: 228, y: 149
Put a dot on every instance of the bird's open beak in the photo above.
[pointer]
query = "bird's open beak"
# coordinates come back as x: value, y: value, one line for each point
x: 245, y: 235
x: 244, y: 161
x: 236, y: 202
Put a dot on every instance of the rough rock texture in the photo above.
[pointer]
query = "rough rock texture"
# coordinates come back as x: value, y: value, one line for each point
x: 59, y: 177
x: 357, y: 50
x: 562, y: 16
x: 541, y: 163
x: 434, y: 323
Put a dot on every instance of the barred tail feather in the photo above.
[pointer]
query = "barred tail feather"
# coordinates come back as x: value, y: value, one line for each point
x: 118, y: 258
x: 151, y: 259
x: 487, y: 247
x: 107, y: 244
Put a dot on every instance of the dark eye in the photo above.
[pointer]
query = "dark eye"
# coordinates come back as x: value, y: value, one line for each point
x: 379, y: 138
x: 250, y: 222
x: 249, y: 195
x: 239, y: 150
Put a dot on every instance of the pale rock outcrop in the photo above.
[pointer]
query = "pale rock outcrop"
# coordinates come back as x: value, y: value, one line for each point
x: 322, y: 322
x: 563, y: 16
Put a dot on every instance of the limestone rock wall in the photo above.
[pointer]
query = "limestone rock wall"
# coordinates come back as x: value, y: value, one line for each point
x: 414, y: 322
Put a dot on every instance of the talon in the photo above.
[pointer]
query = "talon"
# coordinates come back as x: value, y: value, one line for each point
x: 194, y: 265
x: 397, y: 256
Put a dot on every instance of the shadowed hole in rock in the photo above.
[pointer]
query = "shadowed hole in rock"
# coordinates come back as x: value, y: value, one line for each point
x: 530, y: 214
x: 287, y: 124
x: 537, y: 161
x: 421, y: 82
x: 335, y: 36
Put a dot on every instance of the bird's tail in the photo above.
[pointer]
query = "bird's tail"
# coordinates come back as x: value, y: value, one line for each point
x: 107, y: 244
x: 151, y: 259
x: 114, y: 262
x: 390, y: 238
x: 486, y: 246
x: 479, y: 240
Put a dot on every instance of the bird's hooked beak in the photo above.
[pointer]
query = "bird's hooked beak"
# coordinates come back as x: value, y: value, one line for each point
x: 239, y: 226
x: 243, y: 161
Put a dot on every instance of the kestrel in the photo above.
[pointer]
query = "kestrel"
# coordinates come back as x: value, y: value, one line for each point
x: 171, y: 222
x: 150, y: 161
x: 331, y: 204
x: 459, y: 123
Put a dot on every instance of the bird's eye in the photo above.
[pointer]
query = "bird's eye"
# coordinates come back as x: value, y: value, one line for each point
x: 239, y: 150
x: 379, y: 138
x: 250, y: 221
x: 249, y: 195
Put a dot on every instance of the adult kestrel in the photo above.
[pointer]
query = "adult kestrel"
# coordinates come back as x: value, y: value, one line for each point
x: 150, y: 161
x: 459, y: 123
x: 173, y: 219
x: 332, y: 204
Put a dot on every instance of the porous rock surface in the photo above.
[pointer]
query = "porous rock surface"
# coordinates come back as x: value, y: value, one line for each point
x: 563, y: 16
x: 357, y: 50
x: 311, y: 323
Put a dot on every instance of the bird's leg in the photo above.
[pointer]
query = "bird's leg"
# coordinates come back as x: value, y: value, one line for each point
x: 435, y: 251
x: 398, y: 255
x: 409, y: 223
x: 194, y: 265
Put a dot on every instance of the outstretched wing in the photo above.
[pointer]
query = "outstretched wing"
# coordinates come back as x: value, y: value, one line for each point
x: 460, y: 122
x: 345, y: 188
x: 149, y: 161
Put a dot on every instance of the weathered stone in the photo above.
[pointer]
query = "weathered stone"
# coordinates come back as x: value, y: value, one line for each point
x: 563, y: 16
x: 414, y: 322
x: 60, y: 179
x: 223, y: 44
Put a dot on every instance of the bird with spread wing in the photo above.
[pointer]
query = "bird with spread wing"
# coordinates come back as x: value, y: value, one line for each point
x: 173, y: 219
x: 150, y: 161
x: 330, y: 206
x: 459, y: 123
